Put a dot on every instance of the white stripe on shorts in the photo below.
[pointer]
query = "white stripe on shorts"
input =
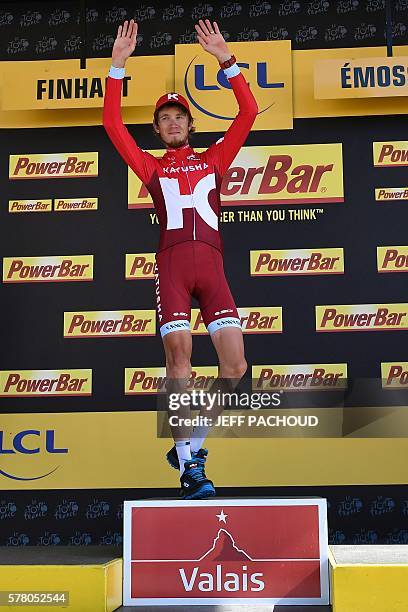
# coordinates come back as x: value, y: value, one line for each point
x: 174, y: 326
x: 220, y: 323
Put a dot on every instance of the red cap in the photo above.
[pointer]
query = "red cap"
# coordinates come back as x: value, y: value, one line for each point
x: 172, y: 98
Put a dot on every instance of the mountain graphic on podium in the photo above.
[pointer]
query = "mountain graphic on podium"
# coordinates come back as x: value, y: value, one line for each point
x: 225, y: 549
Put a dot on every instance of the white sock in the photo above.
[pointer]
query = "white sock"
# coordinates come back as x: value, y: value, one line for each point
x: 183, y: 453
x: 198, y: 436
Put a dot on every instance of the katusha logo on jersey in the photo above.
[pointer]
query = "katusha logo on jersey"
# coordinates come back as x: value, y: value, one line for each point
x: 109, y: 323
x: 297, y: 262
x: 394, y: 374
x: 392, y: 259
x: 53, y: 165
x: 254, y: 320
x: 284, y: 174
x: 140, y: 381
x: 39, y: 383
x: 300, y: 377
x: 140, y: 266
x: 245, y: 551
x: 361, y: 317
x: 53, y: 269
x: 390, y: 153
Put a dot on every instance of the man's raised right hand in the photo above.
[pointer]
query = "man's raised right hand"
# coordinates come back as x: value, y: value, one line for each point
x: 124, y: 44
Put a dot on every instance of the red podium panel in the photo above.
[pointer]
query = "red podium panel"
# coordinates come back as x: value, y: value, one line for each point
x: 265, y: 551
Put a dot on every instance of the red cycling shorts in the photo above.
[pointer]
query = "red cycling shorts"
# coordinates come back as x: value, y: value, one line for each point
x: 195, y: 269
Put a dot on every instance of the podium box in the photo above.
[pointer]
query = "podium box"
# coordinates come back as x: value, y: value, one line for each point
x: 80, y: 578
x: 370, y: 577
x: 226, y: 551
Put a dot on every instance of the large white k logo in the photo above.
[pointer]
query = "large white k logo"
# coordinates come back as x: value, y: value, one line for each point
x: 176, y: 202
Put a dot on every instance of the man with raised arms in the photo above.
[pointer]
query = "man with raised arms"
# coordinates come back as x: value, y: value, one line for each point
x: 185, y: 188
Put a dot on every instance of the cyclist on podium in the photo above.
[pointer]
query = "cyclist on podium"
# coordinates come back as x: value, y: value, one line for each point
x: 185, y: 189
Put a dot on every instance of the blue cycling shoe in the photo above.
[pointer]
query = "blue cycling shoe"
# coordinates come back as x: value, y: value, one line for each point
x: 172, y: 457
x: 194, y: 482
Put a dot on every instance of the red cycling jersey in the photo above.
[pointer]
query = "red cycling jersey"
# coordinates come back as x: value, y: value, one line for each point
x: 185, y: 188
x: 184, y: 185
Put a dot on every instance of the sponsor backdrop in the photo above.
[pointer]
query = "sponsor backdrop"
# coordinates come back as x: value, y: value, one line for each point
x: 35, y: 30
x: 314, y: 216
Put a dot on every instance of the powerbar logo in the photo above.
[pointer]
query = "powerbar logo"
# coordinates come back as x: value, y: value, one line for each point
x: 21, y: 206
x: 111, y: 323
x: 31, y: 383
x: 140, y: 265
x: 392, y: 259
x: 388, y: 194
x: 60, y: 205
x: 74, y: 204
x: 254, y: 320
x: 53, y: 165
x: 390, y: 153
x: 303, y: 377
x: 361, y: 317
x: 394, y: 375
x: 58, y: 268
x: 153, y: 380
x: 272, y: 175
x: 297, y: 262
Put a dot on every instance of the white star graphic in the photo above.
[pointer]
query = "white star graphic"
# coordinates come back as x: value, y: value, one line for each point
x: 221, y: 517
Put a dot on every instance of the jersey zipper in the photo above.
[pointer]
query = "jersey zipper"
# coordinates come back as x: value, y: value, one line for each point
x: 193, y: 207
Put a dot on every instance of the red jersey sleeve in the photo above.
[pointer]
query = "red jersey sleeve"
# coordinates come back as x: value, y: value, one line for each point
x: 141, y: 162
x: 225, y: 150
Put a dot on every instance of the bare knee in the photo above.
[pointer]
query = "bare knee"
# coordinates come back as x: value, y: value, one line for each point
x: 178, y: 364
x: 235, y: 369
x: 178, y: 356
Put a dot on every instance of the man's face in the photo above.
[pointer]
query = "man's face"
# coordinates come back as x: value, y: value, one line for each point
x: 173, y: 125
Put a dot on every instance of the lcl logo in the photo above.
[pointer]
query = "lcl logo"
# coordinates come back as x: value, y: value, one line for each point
x: 29, y: 442
x: 200, y: 83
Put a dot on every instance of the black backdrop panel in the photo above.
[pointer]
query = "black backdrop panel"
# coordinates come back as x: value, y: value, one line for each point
x: 356, y: 514
x: 53, y: 29
x: 32, y: 323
